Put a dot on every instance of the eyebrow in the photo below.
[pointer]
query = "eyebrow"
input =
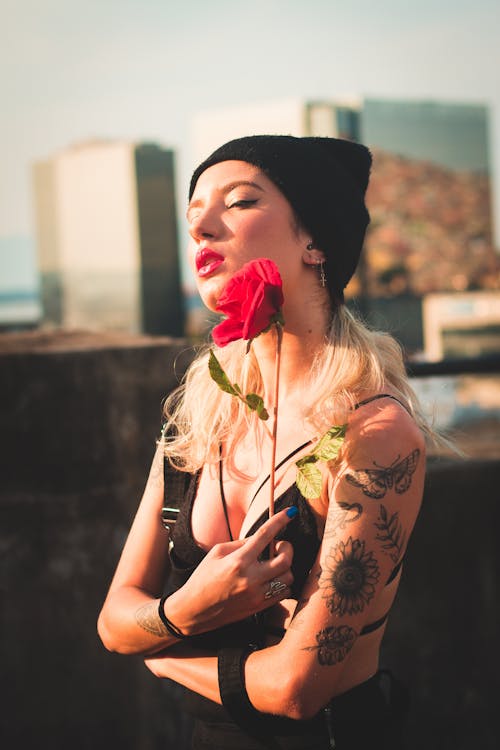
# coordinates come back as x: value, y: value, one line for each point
x: 227, y: 189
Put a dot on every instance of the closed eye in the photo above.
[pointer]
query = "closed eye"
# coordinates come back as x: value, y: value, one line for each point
x: 242, y: 204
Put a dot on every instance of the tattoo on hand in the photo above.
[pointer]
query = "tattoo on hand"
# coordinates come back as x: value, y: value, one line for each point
x: 375, y: 482
x: 339, y: 518
x: 349, y: 578
x: 147, y: 618
x: 391, y: 534
x: 333, y: 644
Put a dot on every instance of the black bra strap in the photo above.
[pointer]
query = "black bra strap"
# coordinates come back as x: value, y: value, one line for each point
x: 174, y: 490
x: 223, y: 497
x: 394, y: 572
x: 378, y: 396
x: 378, y: 623
x: 221, y: 483
x: 278, y: 466
x: 374, y: 625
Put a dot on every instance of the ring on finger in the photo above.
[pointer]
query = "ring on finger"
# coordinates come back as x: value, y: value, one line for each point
x: 275, y: 588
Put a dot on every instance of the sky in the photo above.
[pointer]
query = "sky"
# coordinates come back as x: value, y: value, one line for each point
x: 141, y: 69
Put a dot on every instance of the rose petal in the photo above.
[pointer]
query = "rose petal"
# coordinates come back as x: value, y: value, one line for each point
x: 226, y: 331
x: 253, y: 314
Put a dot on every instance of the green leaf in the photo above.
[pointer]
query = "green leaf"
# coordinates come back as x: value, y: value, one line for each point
x: 330, y: 444
x: 309, y: 477
x: 309, y: 480
x: 255, y: 403
x: 262, y: 413
x: 311, y: 458
x: 218, y: 374
x: 338, y: 430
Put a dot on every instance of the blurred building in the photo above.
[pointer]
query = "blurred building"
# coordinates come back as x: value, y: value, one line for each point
x: 452, y: 135
x: 107, y: 238
x: 461, y: 324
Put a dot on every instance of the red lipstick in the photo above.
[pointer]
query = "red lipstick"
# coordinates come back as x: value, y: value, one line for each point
x: 207, y: 260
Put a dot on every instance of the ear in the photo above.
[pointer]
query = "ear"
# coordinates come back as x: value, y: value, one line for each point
x: 312, y: 256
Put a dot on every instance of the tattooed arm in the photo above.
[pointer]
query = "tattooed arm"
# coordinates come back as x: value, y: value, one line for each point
x: 366, y: 530
x: 368, y: 521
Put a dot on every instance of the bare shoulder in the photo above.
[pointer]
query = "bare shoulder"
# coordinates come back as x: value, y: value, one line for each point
x: 383, y: 455
x: 382, y: 427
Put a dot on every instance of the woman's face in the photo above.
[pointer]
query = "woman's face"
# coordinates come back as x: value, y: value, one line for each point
x: 236, y: 214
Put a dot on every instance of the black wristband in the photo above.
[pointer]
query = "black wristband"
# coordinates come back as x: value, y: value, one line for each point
x: 172, y: 629
x: 230, y: 667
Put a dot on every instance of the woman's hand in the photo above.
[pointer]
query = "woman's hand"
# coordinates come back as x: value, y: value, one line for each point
x: 232, y: 582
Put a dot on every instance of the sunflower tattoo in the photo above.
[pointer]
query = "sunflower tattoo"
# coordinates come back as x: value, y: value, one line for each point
x: 349, y: 578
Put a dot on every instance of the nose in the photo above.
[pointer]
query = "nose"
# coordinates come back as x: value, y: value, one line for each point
x: 204, y: 225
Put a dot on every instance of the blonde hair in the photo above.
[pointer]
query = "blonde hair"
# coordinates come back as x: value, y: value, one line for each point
x: 200, y: 417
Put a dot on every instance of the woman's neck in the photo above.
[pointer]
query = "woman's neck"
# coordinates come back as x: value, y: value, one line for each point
x: 303, y: 337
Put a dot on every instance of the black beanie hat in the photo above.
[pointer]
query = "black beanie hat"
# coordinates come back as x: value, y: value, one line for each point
x: 324, y: 180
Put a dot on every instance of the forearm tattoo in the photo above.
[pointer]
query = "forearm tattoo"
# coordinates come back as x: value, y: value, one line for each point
x: 340, y: 517
x: 375, y: 482
x: 391, y: 534
x: 349, y: 577
x: 333, y: 644
x: 147, y: 618
x: 155, y: 478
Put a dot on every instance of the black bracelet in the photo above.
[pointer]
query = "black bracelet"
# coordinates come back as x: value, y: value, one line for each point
x: 172, y: 629
x: 231, y: 672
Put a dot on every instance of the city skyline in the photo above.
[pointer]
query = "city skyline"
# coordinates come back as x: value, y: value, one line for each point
x: 143, y: 71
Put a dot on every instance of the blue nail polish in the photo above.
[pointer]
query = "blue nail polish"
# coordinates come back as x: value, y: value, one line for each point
x: 292, y: 511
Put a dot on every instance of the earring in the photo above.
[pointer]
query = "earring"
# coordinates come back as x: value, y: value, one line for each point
x: 322, y: 274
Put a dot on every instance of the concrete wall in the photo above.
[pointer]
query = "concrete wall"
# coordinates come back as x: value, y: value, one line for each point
x: 79, y: 418
x: 442, y: 637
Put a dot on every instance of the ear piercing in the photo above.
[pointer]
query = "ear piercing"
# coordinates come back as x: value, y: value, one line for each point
x: 321, y: 264
x: 322, y: 274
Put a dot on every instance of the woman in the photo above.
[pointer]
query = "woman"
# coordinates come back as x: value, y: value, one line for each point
x: 279, y: 651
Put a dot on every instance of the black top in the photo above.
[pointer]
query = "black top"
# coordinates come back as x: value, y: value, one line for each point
x: 185, y: 554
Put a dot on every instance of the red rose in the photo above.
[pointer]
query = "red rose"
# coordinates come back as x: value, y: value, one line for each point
x: 252, y: 301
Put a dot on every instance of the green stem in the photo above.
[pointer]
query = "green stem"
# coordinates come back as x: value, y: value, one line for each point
x: 279, y: 338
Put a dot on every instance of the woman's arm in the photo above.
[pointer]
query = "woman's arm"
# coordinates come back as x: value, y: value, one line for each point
x: 227, y: 586
x: 128, y: 622
x: 374, y: 497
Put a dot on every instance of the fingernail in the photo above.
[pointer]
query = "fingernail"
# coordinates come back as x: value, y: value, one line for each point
x: 292, y: 511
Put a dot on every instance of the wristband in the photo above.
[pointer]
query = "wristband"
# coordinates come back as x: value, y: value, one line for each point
x: 172, y: 629
x: 230, y: 667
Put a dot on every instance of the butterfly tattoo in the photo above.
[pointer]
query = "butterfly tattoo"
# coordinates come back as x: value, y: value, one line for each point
x: 375, y: 482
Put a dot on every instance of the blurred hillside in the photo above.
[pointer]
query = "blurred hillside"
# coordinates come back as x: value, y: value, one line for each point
x: 431, y: 230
